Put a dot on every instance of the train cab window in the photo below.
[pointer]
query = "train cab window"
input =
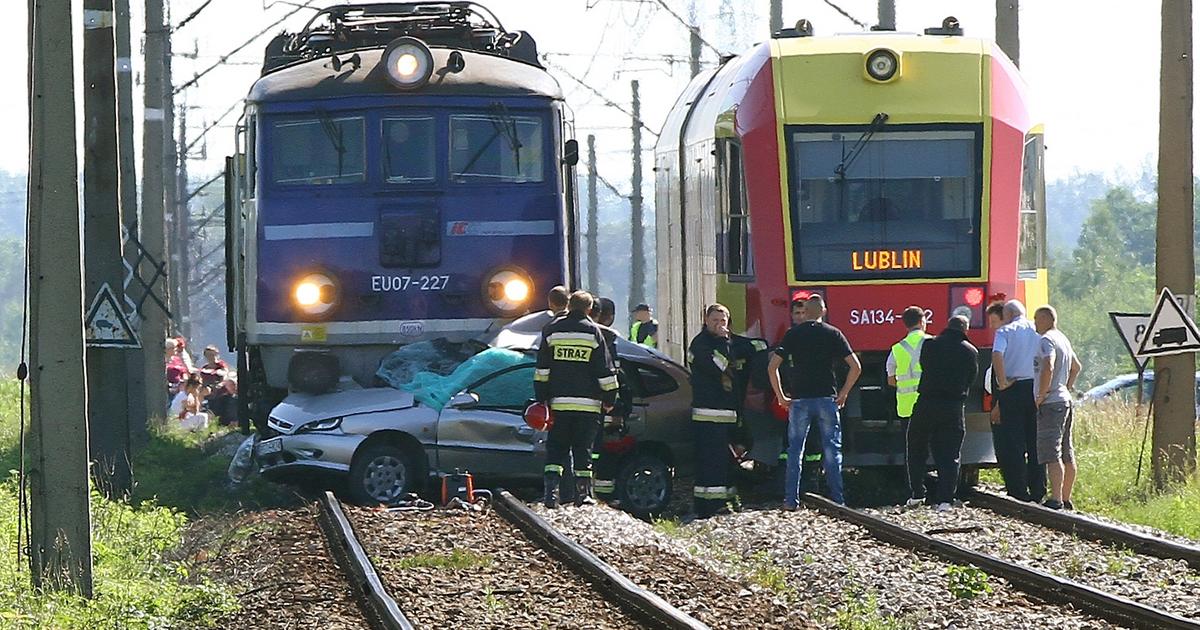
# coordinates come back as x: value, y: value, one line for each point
x: 251, y: 156
x: 319, y: 151
x: 1032, y: 251
x: 734, y: 255
x: 885, y: 203
x: 496, y: 148
x: 408, y: 149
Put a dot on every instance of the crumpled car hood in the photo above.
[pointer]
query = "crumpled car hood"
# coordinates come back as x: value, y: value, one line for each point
x: 300, y: 409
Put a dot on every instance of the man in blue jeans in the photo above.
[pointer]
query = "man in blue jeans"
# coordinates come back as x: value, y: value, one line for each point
x: 810, y: 349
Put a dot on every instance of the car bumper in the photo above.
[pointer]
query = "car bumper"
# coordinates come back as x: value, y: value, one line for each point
x: 307, y: 452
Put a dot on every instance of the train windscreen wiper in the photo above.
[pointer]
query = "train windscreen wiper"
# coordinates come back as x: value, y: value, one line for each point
x: 333, y: 132
x: 848, y: 159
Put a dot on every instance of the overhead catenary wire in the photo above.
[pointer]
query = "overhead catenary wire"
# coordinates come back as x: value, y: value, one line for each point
x: 212, y: 126
x: 691, y: 27
x: 196, y: 79
x: 846, y: 14
x: 598, y: 93
x: 191, y: 16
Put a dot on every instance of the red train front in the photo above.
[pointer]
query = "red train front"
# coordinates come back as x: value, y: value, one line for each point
x: 879, y: 169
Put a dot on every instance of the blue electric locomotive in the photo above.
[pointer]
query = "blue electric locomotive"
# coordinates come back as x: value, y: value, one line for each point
x: 405, y: 171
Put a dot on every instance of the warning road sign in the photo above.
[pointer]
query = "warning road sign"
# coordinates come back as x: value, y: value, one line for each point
x: 105, y: 325
x: 1132, y: 328
x: 1170, y: 331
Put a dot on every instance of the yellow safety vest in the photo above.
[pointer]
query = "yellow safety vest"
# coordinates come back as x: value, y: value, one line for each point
x: 908, y: 371
x: 633, y: 335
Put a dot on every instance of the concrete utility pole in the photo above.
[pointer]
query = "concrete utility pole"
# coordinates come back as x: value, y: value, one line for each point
x: 60, y: 554
x: 1007, y: 29
x: 135, y: 376
x: 593, y: 222
x: 887, y: 15
x: 637, y: 265
x: 153, y: 236
x: 1174, y: 436
x: 694, y: 39
x: 107, y: 399
x: 170, y: 166
x: 776, y: 20
x: 183, y: 272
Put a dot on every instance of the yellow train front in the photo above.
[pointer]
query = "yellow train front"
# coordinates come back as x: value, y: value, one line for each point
x: 880, y: 170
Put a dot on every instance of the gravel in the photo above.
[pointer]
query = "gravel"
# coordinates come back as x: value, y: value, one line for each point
x: 1168, y: 585
x: 462, y: 570
x: 278, y: 563
x: 663, y: 565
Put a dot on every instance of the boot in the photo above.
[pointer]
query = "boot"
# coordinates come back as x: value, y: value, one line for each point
x: 583, y: 492
x: 551, y: 481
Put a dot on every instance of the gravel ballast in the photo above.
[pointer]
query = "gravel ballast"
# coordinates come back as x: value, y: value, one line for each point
x: 463, y: 570
x: 1169, y: 585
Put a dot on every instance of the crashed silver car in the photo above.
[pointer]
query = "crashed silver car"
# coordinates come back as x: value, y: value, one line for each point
x: 383, y: 443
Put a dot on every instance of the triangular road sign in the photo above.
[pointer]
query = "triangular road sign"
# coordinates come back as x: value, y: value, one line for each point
x: 105, y: 325
x: 1170, y: 331
x: 1132, y: 328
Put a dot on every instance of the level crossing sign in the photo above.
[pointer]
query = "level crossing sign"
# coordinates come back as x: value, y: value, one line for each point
x: 105, y: 324
x: 1170, y: 330
x: 1132, y: 329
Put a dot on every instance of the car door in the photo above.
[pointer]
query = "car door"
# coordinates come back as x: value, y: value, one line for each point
x: 490, y: 437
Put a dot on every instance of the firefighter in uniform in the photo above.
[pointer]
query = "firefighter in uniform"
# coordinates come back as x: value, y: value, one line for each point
x: 714, y: 364
x: 904, y: 373
x: 604, y: 465
x: 575, y: 377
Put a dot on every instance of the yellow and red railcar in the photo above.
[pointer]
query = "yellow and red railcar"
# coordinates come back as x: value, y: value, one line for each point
x: 879, y: 169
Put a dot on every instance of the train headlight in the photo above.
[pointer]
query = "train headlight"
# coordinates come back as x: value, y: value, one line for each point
x: 408, y: 62
x: 507, y: 292
x: 315, y: 294
x: 882, y: 65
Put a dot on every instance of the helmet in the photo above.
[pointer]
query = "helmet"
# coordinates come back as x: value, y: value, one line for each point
x: 538, y: 416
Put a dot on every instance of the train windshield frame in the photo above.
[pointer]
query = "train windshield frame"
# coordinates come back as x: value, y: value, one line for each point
x: 497, y: 147
x: 885, y: 202
x: 323, y: 150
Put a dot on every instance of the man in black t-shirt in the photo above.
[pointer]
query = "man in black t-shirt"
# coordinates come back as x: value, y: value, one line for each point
x: 810, y: 350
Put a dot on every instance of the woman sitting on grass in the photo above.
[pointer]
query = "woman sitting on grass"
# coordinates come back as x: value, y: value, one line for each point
x: 186, y: 405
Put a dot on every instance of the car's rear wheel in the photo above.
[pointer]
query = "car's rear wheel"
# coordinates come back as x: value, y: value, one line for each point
x: 644, y: 485
x: 382, y: 473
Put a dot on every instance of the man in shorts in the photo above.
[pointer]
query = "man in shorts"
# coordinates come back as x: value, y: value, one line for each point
x: 1057, y: 368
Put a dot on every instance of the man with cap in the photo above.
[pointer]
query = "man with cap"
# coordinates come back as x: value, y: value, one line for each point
x: 644, y: 329
x: 904, y: 373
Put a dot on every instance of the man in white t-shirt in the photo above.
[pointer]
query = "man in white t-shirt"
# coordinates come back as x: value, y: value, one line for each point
x: 1057, y: 368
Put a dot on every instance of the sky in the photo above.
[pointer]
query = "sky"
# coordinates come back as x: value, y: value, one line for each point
x: 1092, y: 66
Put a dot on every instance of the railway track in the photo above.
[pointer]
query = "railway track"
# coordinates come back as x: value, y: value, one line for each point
x: 465, y: 569
x: 1035, y: 581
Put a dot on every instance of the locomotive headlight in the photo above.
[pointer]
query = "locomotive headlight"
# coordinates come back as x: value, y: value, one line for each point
x: 408, y: 62
x: 882, y: 65
x: 315, y: 294
x: 507, y: 291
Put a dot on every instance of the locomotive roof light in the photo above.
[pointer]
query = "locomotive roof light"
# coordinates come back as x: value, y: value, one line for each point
x: 882, y: 65
x: 315, y: 294
x: 409, y: 62
x: 507, y: 291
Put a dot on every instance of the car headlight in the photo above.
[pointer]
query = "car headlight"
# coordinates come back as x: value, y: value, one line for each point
x: 321, y: 425
x: 408, y: 62
x: 507, y: 292
x: 882, y: 65
x: 315, y: 294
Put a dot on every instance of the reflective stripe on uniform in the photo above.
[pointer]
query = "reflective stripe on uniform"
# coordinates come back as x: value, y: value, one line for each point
x: 572, y: 403
x: 721, y: 361
x: 586, y: 340
x: 608, y: 383
x: 758, y: 344
x: 583, y: 473
x: 553, y: 468
x: 595, y: 455
x: 907, y: 353
x: 604, y: 486
x: 714, y: 492
x: 541, y: 375
x: 720, y: 416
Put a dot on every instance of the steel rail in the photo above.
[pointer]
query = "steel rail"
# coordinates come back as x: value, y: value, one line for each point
x: 1088, y: 528
x: 383, y: 611
x: 637, y: 601
x: 1038, y: 583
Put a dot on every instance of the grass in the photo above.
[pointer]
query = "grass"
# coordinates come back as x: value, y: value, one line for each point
x: 457, y: 559
x: 671, y: 527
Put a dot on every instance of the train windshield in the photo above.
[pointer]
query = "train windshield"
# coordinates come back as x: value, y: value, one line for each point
x: 321, y: 150
x: 408, y: 149
x: 496, y: 148
x: 888, y: 204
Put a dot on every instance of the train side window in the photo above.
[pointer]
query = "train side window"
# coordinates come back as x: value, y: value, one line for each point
x: 251, y: 156
x: 1032, y: 249
x: 734, y: 252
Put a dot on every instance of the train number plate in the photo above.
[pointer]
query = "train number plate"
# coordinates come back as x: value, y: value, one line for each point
x: 388, y: 284
x: 270, y: 447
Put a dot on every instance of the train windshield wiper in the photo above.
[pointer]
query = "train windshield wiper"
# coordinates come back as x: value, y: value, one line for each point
x: 333, y: 133
x: 503, y: 124
x: 848, y: 159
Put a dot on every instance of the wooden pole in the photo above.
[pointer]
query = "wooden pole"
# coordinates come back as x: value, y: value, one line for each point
x: 60, y: 523
x: 1174, y: 439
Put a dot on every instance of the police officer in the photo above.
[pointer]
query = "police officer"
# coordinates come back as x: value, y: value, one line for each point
x: 904, y: 373
x: 644, y: 329
x: 575, y: 377
x: 605, y: 464
x: 713, y: 359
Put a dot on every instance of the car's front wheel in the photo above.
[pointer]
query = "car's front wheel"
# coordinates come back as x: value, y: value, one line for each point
x: 382, y: 473
x: 644, y: 485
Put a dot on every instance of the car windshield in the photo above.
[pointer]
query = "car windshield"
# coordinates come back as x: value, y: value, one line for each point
x: 318, y: 151
x: 895, y: 203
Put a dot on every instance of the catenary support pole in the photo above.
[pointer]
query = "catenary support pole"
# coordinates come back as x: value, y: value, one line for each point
x: 1007, y: 29
x: 1174, y: 439
x: 887, y: 15
x: 153, y: 236
x: 693, y: 40
x: 170, y: 166
x: 183, y: 265
x: 60, y: 552
x: 593, y: 222
x: 637, y: 264
x: 108, y: 425
x: 776, y: 16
